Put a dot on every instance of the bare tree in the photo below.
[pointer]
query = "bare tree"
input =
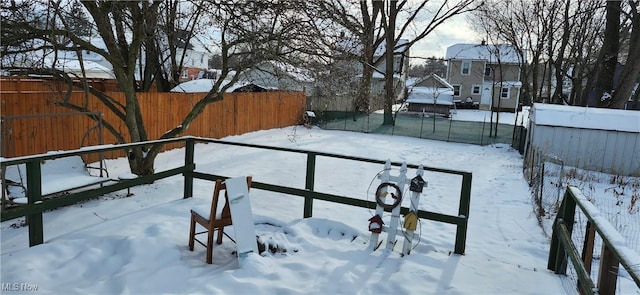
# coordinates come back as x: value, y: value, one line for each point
x: 178, y: 26
x: 602, y: 79
x: 554, y: 38
x: 356, y: 23
x: 631, y: 70
x: 404, y: 20
x: 250, y: 32
x: 366, y: 26
x: 524, y: 25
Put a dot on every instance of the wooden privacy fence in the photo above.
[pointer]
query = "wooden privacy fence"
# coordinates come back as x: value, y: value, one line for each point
x: 32, y: 123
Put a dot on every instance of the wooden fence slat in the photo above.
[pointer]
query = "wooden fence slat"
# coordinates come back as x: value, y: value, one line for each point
x: 237, y: 113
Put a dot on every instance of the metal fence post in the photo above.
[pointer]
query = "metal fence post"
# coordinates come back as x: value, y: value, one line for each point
x: 311, y: 171
x: 34, y: 195
x: 465, y: 201
x: 189, y: 167
x: 560, y: 181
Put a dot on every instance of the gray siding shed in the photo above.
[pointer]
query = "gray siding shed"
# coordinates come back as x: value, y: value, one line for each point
x: 605, y: 140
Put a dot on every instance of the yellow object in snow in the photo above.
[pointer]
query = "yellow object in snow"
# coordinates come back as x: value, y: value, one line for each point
x: 410, y: 221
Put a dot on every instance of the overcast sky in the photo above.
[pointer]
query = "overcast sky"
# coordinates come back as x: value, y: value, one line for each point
x: 453, y: 31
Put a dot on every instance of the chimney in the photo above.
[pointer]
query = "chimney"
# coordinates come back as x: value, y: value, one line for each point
x: 483, y: 42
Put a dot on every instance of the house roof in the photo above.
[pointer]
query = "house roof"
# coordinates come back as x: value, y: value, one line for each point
x: 431, y: 80
x: 401, y: 46
x: 585, y: 117
x: 506, y: 53
x: 297, y: 73
x: 354, y: 46
x: 205, y: 85
x: 92, y: 69
x: 426, y: 95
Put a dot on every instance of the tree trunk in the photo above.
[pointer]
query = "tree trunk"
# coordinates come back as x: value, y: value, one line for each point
x: 608, y: 58
x: 389, y: 56
x: 140, y: 162
x: 631, y: 70
x: 364, y: 92
x: 558, y: 62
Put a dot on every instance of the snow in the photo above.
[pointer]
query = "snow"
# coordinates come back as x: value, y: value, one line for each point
x: 138, y: 244
x: 53, y: 181
x: 483, y: 52
x: 443, y: 96
x: 195, y: 86
x: 205, y: 85
x: 92, y: 69
x: 585, y: 117
x: 608, y: 231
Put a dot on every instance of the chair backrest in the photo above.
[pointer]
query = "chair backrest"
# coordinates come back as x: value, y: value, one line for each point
x: 226, y: 212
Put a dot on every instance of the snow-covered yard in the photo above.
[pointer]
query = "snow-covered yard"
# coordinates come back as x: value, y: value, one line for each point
x: 139, y: 244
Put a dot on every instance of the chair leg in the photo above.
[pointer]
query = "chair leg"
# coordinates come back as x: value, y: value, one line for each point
x: 220, y: 233
x: 210, y: 246
x: 192, y: 233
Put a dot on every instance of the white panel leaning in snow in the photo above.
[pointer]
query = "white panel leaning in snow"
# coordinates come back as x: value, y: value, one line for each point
x: 243, y: 225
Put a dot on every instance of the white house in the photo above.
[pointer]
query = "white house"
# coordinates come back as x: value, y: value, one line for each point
x: 196, y: 58
x: 606, y: 140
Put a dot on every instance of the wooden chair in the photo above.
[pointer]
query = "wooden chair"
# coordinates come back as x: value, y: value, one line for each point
x: 216, y: 218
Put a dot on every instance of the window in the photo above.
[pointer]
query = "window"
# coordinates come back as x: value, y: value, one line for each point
x: 465, y: 69
x: 504, y: 93
x: 456, y: 90
x: 185, y: 74
x: 475, y: 90
x: 487, y: 71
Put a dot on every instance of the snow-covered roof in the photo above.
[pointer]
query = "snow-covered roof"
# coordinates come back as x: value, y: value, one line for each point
x: 205, y: 85
x: 585, y: 117
x: 297, y: 73
x: 378, y: 75
x: 353, y: 46
x: 426, y: 95
x: 401, y: 47
x: 92, y: 69
x: 506, y: 53
x: 435, y: 79
x: 195, y: 86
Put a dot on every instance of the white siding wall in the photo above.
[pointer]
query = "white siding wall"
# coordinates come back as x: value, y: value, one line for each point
x: 615, y: 152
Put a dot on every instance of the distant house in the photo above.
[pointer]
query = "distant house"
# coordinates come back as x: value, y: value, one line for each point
x: 195, y: 64
x: 279, y: 75
x: 485, y: 74
x: 431, y: 95
x: 338, y: 93
x: 196, y: 59
x: 266, y: 76
x: 94, y: 66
